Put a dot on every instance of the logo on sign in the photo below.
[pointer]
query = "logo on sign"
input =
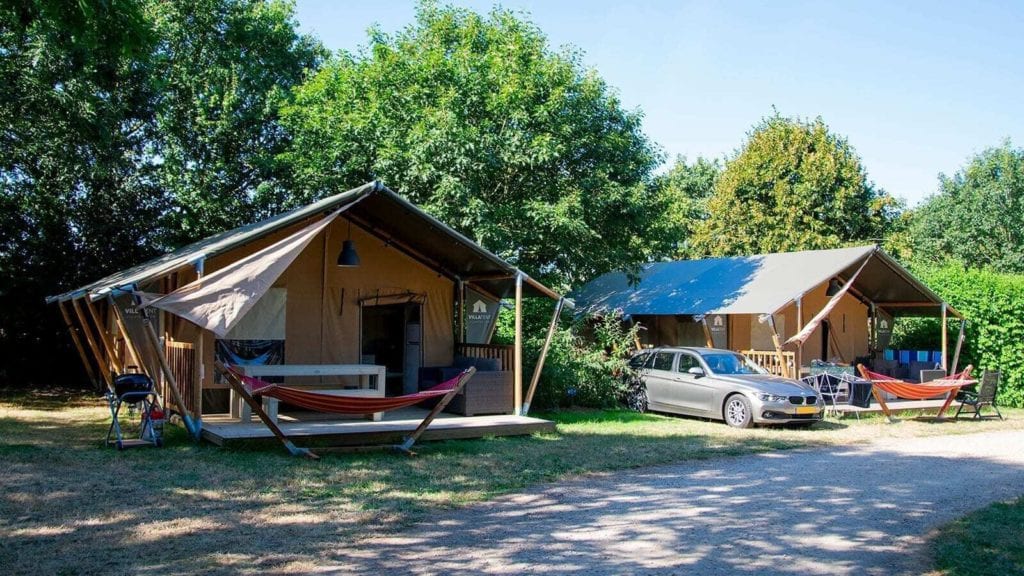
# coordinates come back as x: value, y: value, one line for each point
x: 883, y: 324
x: 479, y: 307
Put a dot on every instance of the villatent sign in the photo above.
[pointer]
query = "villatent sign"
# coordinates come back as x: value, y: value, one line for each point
x: 481, y: 315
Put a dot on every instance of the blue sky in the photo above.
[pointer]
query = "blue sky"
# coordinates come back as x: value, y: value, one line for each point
x: 916, y: 87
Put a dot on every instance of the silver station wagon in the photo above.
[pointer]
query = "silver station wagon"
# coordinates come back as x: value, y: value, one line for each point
x: 719, y: 384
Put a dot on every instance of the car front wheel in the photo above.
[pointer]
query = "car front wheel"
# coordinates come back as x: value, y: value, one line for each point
x: 738, y: 412
x: 636, y: 398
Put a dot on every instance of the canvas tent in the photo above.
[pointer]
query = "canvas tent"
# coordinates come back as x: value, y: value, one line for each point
x: 829, y: 304
x: 275, y: 288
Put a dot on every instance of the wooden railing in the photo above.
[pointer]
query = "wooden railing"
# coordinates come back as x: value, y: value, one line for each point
x: 769, y: 360
x: 181, y: 356
x: 502, y: 352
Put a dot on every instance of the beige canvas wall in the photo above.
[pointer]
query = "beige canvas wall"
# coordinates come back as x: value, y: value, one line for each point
x: 323, y: 303
x: 849, y: 322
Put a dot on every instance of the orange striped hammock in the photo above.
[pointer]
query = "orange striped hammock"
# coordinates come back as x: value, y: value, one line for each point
x: 341, y: 404
x: 947, y: 386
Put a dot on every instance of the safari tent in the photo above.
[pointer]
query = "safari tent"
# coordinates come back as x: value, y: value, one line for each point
x: 783, y: 310
x: 361, y: 278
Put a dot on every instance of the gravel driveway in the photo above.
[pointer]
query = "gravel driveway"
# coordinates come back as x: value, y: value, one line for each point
x: 839, y: 510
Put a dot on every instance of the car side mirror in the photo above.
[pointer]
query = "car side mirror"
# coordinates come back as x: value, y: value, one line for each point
x: 696, y: 371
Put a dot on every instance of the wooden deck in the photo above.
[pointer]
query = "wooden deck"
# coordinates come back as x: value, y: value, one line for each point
x: 899, y: 406
x: 310, y: 429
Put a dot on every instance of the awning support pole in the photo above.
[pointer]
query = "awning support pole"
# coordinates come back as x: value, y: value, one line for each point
x: 799, y: 327
x: 104, y: 366
x: 172, y: 383
x: 945, y: 338
x: 709, y: 340
x: 518, y: 350
x: 543, y: 355
x: 777, y: 341
x: 78, y: 345
x: 959, y: 344
x: 108, y: 346
x: 119, y: 321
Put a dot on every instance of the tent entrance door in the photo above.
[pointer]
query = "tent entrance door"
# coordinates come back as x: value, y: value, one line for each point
x: 390, y: 337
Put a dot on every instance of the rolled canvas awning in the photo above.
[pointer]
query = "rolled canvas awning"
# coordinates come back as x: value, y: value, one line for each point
x: 219, y: 301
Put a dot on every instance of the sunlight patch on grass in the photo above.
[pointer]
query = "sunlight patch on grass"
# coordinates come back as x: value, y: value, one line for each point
x: 987, y: 542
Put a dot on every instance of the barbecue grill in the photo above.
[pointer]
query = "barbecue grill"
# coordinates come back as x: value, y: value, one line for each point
x: 135, y: 391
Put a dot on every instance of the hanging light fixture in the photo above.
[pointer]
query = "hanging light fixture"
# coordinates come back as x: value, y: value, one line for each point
x: 348, y: 258
x: 833, y: 287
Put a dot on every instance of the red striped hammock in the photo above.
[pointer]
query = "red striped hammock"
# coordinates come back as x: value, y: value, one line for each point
x: 915, y: 391
x: 343, y: 404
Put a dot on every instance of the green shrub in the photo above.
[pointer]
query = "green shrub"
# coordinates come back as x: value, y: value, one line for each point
x: 583, y: 371
x: 994, y: 307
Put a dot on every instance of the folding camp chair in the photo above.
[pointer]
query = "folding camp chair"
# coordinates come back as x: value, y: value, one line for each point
x: 985, y: 396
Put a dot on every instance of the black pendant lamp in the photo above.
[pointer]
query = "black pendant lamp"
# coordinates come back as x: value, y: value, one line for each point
x: 833, y: 287
x: 348, y: 257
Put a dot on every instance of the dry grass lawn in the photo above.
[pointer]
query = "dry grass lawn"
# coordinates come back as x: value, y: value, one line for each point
x: 69, y: 505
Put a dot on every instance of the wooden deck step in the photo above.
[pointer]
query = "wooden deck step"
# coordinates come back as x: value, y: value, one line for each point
x: 224, y: 431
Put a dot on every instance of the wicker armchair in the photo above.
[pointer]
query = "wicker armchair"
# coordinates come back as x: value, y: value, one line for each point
x: 488, y: 392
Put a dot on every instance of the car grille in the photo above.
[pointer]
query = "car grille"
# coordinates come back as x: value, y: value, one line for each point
x: 802, y: 399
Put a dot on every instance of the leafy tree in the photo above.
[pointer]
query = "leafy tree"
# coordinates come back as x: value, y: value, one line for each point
x: 74, y: 200
x: 476, y: 119
x: 793, y: 186
x: 687, y: 189
x: 977, y: 218
x: 222, y: 68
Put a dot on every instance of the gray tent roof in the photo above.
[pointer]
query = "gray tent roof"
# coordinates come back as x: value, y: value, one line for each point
x: 373, y: 206
x: 759, y: 284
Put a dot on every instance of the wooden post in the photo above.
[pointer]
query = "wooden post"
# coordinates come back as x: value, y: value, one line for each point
x: 945, y: 338
x: 959, y: 344
x: 115, y: 362
x: 100, y: 360
x: 461, y: 287
x: 709, y: 340
x: 200, y: 375
x: 128, y: 342
x: 799, y: 327
x: 518, y: 350
x: 172, y: 383
x: 777, y: 341
x: 543, y: 355
x: 78, y: 345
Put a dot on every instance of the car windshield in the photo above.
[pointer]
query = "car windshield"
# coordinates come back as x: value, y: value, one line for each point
x: 728, y: 363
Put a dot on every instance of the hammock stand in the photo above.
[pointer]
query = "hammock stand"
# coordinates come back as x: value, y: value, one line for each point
x: 247, y: 387
x: 949, y: 385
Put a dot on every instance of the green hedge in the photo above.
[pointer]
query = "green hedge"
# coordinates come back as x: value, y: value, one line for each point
x: 994, y: 307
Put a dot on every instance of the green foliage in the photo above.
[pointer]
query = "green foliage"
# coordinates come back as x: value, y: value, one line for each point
x: 76, y: 198
x: 994, y: 307
x: 222, y: 69
x: 477, y: 120
x: 977, y: 218
x: 793, y: 186
x: 687, y: 188
x: 584, y: 371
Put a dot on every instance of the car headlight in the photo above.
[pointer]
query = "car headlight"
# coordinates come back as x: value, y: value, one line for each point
x: 772, y: 398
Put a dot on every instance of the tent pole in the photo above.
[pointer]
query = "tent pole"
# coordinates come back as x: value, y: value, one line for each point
x: 200, y: 375
x: 518, y: 351
x: 777, y: 341
x: 543, y: 355
x: 945, y: 338
x: 709, y: 340
x: 78, y: 345
x: 959, y: 344
x: 172, y: 383
x: 115, y: 362
x: 100, y: 360
x: 461, y: 287
x: 119, y: 321
x: 799, y: 328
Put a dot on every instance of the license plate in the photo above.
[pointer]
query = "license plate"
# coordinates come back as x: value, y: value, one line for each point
x: 806, y: 410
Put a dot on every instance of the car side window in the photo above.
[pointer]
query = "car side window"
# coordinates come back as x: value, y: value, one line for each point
x: 663, y: 361
x: 687, y: 361
x: 638, y: 361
